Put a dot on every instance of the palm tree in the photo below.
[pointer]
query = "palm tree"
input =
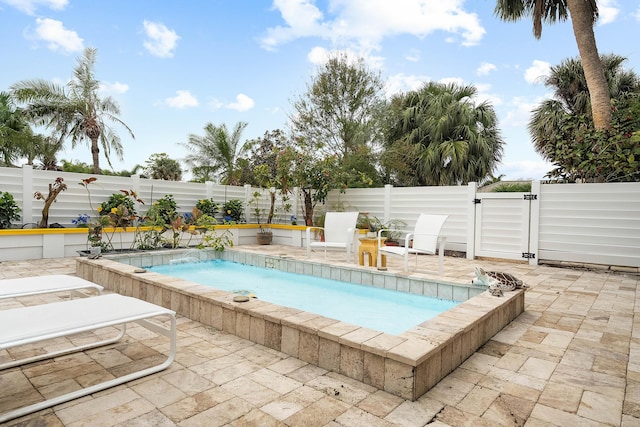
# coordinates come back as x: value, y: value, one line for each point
x: 583, y: 16
x: 161, y: 166
x: 445, y: 137
x: 571, y: 96
x: 14, y: 130
x: 75, y: 110
x: 214, y: 155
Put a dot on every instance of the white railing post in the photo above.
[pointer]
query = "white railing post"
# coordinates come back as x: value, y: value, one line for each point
x: 294, y: 202
x: 208, y: 189
x: 534, y: 221
x: 471, y: 220
x: 27, y: 194
x: 135, y: 184
x: 387, y: 203
x: 247, y: 199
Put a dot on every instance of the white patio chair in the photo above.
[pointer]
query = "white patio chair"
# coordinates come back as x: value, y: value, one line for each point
x: 39, y: 323
x: 36, y: 285
x: 339, y: 231
x: 425, y: 238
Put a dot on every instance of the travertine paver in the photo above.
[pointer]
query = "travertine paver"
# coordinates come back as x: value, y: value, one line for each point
x: 572, y: 358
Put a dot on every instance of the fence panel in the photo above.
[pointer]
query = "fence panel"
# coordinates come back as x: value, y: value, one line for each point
x: 407, y: 203
x: 593, y: 223
x: 11, y: 179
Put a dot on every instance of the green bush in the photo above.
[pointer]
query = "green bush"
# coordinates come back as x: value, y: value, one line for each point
x: 9, y: 210
x: 233, y: 210
x: 514, y: 187
x: 208, y: 207
x: 115, y: 201
x: 164, y: 211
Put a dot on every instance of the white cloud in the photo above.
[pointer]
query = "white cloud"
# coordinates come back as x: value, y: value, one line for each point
x: 484, y: 94
x: 117, y: 87
x: 57, y: 37
x: 524, y: 169
x: 537, y: 71
x: 520, y: 111
x: 608, y: 11
x: 485, y: 68
x: 29, y: 6
x: 367, y: 22
x: 161, y: 40
x: 413, y: 55
x: 183, y: 99
x: 243, y: 103
x: 637, y: 14
x: 403, y: 83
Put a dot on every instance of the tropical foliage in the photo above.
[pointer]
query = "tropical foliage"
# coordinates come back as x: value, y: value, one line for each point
x: 213, y: 157
x: 583, y: 16
x: 312, y: 175
x: 161, y: 166
x: 571, y: 97
x: 9, y: 210
x: 581, y: 153
x: 340, y: 116
x: 439, y: 135
x: 75, y: 111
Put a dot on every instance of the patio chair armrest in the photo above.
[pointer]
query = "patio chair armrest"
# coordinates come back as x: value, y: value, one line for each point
x: 312, y: 227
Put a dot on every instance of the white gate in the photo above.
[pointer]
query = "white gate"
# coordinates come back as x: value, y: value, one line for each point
x: 502, y: 227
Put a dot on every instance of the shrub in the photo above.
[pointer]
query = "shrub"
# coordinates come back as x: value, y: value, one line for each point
x: 164, y: 210
x: 115, y: 201
x: 9, y: 210
x: 208, y: 207
x: 233, y: 210
x: 513, y: 187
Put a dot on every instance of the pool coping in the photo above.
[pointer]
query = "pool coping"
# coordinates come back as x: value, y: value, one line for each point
x: 406, y: 365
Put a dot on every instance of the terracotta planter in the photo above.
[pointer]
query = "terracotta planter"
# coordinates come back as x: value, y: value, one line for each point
x: 264, y: 238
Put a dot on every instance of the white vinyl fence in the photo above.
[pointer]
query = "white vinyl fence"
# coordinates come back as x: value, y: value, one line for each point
x: 582, y: 223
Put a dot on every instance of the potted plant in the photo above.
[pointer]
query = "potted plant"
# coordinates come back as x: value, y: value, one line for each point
x: 393, y: 231
x: 264, y: 235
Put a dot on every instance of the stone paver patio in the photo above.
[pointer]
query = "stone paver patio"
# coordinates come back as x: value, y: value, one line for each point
x: 572, y: 358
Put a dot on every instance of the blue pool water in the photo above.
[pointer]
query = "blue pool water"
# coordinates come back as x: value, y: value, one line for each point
x: 380, y: 309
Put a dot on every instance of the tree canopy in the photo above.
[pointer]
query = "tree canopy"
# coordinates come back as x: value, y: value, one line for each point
x: 214, y: 156
x: 583, y: 16
x: 439, y: 135
x: 340, y: 115
x: 76, y: 110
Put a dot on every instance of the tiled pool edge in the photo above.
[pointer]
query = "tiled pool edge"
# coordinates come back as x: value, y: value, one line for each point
x: 406, y: 365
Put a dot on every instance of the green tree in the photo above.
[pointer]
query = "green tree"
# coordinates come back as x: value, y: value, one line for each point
x: 571, y: 97
x: 75, y: 111
x: 581, y: 153
x: 340, y: 115
x: 214, y: 155
x: 265, y: 160
x: 314, y: 175
x: 15, y: 132
x: 443, y: 137
x: 161, y: 166
x: 583, y: 16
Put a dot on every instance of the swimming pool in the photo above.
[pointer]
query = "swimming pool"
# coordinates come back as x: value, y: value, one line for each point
x: 376, y: 308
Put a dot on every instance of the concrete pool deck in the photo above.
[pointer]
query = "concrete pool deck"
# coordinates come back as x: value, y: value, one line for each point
x: 572, y: 358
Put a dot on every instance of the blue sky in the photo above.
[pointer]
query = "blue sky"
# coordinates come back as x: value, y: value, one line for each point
x: 175, y: 66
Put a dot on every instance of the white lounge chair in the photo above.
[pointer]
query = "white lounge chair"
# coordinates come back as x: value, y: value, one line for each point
x: 422, y: 240
x: 24, y: 286
x: 34, y: 324
x: 339, y: 230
